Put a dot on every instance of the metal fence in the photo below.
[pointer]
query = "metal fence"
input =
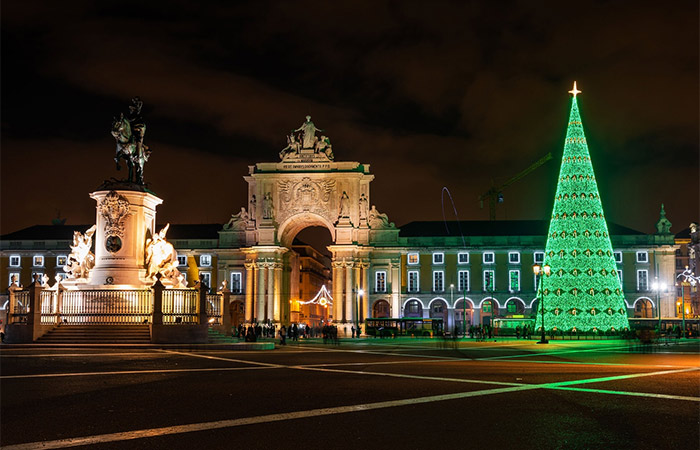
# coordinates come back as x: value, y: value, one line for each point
x: 49, y: 307
x: 214, y: 308
x: 106, y: 306
x: 180, y: 306
x: 20, y: 309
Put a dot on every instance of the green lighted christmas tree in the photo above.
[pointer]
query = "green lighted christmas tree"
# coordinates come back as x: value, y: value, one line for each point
x: 582, y: 292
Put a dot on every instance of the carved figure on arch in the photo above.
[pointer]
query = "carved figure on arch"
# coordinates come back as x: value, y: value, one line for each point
x: 293, y: 146
x: 268, y: 208
x: 251, y: 208
x: 364, y: 212
x: 238, y: 221
x: 379, y: 220
x: 308, y: 130
x: 344, y: 205
x: 81, y: 260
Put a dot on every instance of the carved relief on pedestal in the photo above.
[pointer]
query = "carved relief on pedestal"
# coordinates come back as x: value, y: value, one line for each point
x: 306, y: 195
x: 114, y: 208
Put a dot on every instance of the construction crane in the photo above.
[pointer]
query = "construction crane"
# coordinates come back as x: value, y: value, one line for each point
x: 495, y: 193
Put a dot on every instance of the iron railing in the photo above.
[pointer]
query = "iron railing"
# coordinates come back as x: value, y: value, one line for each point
x: 49, y: 307
x: 214, y: 308
x: 180, y: 306
x: 106, y: 306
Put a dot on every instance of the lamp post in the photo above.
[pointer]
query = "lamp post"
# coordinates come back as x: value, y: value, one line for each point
x: 657, y: 287
x: 452, y: 296
x: 537, y: 269
x: 688, y: 278
x: 360, y: 293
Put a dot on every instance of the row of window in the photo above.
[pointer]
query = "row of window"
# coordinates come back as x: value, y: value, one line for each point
x: 489, y: 285
x: 513, y: 257
x: 38, y: 260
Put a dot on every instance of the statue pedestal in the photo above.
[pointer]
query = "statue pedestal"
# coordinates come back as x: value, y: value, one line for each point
x: 125, y: 219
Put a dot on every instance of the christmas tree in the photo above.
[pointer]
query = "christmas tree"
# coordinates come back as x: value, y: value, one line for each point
x: 582, y: 291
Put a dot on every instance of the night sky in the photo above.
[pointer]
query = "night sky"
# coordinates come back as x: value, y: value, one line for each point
x: 430, y: 94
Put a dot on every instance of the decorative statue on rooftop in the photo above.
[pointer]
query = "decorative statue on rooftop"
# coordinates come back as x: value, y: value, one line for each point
x: 81, y: 260
x: 129, y: 132
x: 308, y: 130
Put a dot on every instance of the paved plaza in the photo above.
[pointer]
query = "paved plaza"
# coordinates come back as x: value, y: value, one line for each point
x: 360, y: 394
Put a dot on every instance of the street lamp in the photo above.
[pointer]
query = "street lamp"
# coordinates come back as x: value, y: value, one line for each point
x: 688, y: 278
x: 452, y: 298
x: 360, y: 293
x: 537, y: 269
x: 658, y: 287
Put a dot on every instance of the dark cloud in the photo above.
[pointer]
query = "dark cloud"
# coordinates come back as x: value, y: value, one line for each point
x: 435, y: 94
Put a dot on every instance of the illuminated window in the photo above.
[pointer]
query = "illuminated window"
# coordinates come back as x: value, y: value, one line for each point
x: 413, y: 258
x: 619, y: 276
x: 38, y: 261
x: 489, y: 258
x: 207, y: 278
x: 61, y: 260
x: 489, y: 284
x: 15, y: 260
x: 514, y: 257
x: 486, y: 307
x: 642, y: 280
x: 463, y: 258
x: 205, y: 260
x: 642, y: 257
x: 380, y: 281
x: 438, y: 258
x: 463, y: 281
x: 413, y: 281
x: 618, y: 257
x: 514, y: 281
x: 9, y: 279
x: 511, y: 307
x: 236, y: 282
x: 438, y: 281
x: 539, y: 257
x: 182, y: 260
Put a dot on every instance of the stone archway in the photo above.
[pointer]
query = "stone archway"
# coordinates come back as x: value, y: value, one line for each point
x: 308, y: 187
x: 643, y: 308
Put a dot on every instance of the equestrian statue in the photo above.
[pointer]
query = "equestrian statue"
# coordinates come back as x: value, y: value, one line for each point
x: 128, y: 132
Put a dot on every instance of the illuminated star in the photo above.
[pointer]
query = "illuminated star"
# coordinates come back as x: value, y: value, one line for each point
x: 574, y: 90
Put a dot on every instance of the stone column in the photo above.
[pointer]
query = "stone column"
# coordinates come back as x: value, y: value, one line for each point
x: 226, y: 310
x: 337, y: 290
x: 356, y: 307
x: 348, y: 312
x: 270, y: 297
x: 365, y: 285
x: 249, y: 275
x: 395, y: 289
x: 277, y: 315
x: 202, y: 304
x: 260, y: 294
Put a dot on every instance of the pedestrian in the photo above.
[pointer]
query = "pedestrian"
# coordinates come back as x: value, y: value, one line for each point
x: 283, y: 336
x: 517, y: 332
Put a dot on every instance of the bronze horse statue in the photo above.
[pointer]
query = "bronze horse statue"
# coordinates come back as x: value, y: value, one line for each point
x: 130, y: 147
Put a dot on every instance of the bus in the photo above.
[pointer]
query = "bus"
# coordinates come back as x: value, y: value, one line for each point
x: 668, y: 325
x: 407, y: 326
x: 505, y: 326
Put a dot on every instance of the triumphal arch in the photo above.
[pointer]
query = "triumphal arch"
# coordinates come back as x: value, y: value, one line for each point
x: 307, y: 187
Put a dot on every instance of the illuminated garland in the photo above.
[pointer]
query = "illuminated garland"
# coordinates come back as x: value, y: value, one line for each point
x: 583, y: 292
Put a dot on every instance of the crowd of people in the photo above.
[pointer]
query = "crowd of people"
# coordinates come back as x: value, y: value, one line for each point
x: 294, y: 332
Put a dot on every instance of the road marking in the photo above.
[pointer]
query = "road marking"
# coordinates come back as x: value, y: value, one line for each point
x: 204, y: 426
x: 562, y: 352
x: 126, y: 372
x: 628, y: 393
x: 72, y: 355
x: 622, y: 377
